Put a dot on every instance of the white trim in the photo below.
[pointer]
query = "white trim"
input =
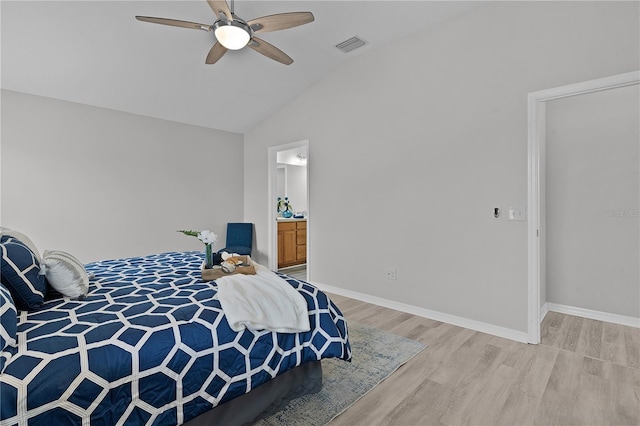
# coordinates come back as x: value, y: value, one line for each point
x: 482, y: 327
x: 590, y: 86
x: 533, y: 241
x: 535, y: 135
x: 544, y: 311
x: 595, y: 315
x: 272, y: 170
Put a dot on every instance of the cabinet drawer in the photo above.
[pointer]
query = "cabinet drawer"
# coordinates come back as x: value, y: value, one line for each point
x: 301, y: 237
x: 301, y: 225
x: 286, y: 226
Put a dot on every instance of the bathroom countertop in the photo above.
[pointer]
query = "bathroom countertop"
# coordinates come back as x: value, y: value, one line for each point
x: 290, y: 219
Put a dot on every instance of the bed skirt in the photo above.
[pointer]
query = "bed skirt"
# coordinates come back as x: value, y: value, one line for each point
x: 265, y: 400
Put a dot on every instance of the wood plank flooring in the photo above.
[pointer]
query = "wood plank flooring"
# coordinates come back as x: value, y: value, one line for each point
x: 584, y: 372
x: 298, y: 272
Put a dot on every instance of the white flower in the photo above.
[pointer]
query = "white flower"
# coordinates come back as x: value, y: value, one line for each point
x: 207, y: 237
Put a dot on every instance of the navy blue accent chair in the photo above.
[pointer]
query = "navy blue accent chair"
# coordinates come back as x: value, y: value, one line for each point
x: 239, y: 238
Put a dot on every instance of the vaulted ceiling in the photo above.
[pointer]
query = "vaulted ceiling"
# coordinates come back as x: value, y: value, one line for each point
x: 96, y: 53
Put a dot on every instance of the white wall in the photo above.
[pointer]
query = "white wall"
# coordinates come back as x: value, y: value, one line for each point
x: 593, y: 197
x: 291, y: 181
x: 438, y: 121
x: 281, y: 182
x: 297, y: 187
x: 102, y: 184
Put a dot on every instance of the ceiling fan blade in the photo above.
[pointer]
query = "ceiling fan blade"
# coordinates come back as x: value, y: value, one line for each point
x: 270, y: 51
x: 174, y: 23
x: 216, y: 52
x: 221, y: 9
x: 280, y: 21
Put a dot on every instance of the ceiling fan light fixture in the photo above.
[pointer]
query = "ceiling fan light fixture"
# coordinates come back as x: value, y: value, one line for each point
x: 233, y: 35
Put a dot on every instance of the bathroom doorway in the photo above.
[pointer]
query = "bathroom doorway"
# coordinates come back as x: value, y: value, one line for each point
x: 289, y: 209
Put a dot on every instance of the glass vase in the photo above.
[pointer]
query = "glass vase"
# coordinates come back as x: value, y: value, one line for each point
x: 208, y: 256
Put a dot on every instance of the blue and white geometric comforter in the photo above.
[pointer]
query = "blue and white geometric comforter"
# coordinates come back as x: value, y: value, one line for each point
x: 150, y: 345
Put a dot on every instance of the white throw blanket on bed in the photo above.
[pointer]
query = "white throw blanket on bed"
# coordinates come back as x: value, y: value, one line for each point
x: 262, y: 301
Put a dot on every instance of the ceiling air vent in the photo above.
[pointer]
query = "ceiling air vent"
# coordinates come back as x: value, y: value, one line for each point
x: 352, y: 44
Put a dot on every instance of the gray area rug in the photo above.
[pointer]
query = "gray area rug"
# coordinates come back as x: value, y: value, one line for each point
x: 376, y: 355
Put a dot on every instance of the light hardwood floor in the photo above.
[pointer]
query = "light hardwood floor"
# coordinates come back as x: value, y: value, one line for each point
x: 584, y: 372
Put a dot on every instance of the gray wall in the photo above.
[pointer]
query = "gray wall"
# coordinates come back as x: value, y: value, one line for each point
x: 439, y: 123
x: 102, y: 184
x: 593, y: 191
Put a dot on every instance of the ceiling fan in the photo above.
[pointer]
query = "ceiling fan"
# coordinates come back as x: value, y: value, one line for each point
x: 234, y: 33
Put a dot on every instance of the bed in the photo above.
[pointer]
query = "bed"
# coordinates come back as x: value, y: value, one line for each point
x: 150, y: 344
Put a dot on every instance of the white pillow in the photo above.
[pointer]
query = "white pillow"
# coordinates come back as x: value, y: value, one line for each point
x: 65, y: 273
x: 23, y: 238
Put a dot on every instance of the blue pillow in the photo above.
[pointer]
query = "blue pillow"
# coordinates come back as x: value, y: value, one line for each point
x: 8, y: 326
x: 6, y: 233
x: 20, y: 274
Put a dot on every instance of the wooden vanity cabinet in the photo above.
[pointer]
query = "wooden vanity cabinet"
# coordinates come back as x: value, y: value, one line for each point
x: 292, y: 243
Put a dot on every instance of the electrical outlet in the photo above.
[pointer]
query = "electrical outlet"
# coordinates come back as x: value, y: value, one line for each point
x: 390, y: 273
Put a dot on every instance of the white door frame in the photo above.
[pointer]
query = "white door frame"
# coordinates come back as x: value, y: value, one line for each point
x: 536, y: 190
x: 271, y: 215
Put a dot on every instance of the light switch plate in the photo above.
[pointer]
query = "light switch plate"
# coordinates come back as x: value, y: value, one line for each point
x: 517, y: 213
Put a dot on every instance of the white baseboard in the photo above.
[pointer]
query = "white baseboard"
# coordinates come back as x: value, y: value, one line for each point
x: 482, y: 327
x: 596, y: 315
x: 544, y: 311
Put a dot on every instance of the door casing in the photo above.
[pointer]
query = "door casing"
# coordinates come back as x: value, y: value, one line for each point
x: 536, y: 182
